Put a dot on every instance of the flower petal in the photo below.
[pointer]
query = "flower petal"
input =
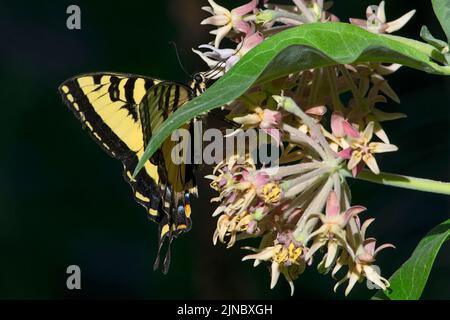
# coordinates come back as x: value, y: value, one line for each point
x: 331, y: 253
x: 368, y: 131
x: 316, y: 111
x: 270, y: 119
x: 244, y: 9
x: 372, y: 275
x: 364, y: 227
x: 221, y: 33
x: 351, y: 212
x: 369, y: 245
x: 250, y: 42
x: 219, y: 210
x: 381, y: 13
x: 351, y: 283
x: 380, y: 133
x: 388, y: 69
x: 265, y: 254
x: 249, y: 119
x: 291, y: 284
x: 336, y: 286
x: 216, y: 20
x: 385, y: 87
x: 346, y: 153
x: 275, y: 274
x: 384, y: 246
x: 341, y: 261
x: 354, y: 160
x: 275, y: 134
x: 242, y: 26
x: 357, y: 169
x: 218, y: 9
x: 261, y: 179
x: 378, y: 147
x: 350, y: 130
x: 400, y: 22
x: 387, y: 116
x: 316, y: 246
x: 337, y: 120
x: 369, y: 159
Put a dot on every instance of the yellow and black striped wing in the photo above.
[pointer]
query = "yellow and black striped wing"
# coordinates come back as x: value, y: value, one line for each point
x: 107, y: 105
x: 121, y: 111
x: 177, y: 180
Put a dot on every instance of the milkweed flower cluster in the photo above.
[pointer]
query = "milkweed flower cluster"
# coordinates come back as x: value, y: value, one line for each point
x: 328, y: 125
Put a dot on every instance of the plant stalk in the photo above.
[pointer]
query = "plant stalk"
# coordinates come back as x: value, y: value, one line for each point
x: 396, y: 180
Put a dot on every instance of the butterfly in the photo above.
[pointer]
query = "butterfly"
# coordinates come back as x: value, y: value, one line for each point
x: 120, y: 112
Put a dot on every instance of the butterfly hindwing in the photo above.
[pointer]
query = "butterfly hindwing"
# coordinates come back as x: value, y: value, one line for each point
x: 176, y: 177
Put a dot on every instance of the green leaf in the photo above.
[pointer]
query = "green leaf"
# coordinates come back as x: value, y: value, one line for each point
x: 300, y: 48
x: 426, y: 35
x: 442, y: 11
x: 408, y: 282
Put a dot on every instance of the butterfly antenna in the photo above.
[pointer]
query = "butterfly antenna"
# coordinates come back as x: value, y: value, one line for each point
x: 172, y: 43
x: 217, y: 68
x: 239, y: 47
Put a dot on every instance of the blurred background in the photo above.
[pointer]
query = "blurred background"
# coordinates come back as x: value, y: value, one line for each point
x: 63, y: 200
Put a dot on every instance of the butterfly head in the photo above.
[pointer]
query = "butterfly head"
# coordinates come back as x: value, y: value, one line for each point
x: 198, y: 83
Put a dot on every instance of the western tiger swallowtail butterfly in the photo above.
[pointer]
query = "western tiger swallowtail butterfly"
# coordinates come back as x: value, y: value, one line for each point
x: 120, y: 112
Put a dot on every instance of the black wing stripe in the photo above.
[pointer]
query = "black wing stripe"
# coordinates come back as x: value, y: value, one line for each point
x: 176, y: 97
x: 167, y: 107
x: 129, y: 90
x: 114, y: 89
x: 97, y: 78
x: 148, y: 84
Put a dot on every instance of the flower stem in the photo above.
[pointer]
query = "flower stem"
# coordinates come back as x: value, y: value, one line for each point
x: 290, y: 106
x: 304, y: 9
x: 330, y: 74
x: 406, y: 182
x: 356, y: 94
x: 298, y: 137
x: 272, y: 15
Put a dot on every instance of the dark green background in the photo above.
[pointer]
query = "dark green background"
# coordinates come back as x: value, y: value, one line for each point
x: 63, y: 201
